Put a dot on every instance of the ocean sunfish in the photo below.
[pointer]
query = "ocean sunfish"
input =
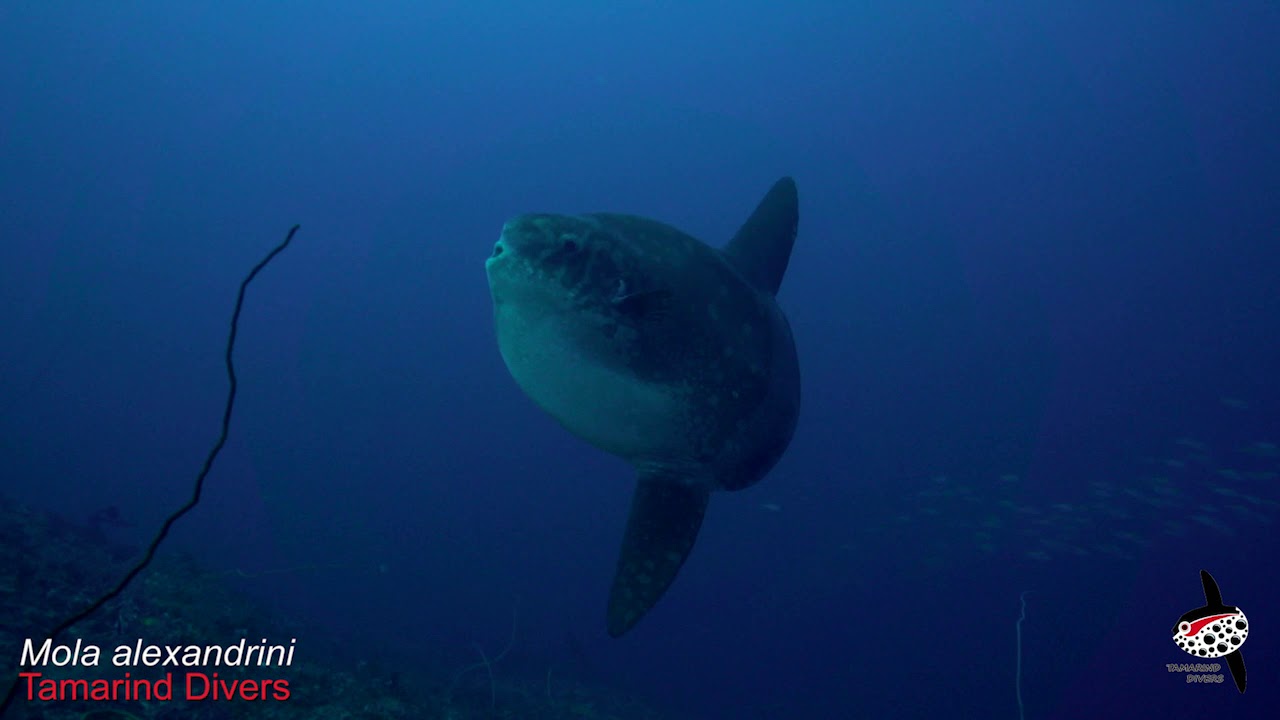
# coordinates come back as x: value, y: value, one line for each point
x: 655, y: 347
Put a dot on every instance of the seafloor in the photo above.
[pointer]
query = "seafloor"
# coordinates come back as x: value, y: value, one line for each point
x: 50, y: 568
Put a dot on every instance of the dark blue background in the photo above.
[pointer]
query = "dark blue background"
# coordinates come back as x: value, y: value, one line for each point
x: 1041, y: 242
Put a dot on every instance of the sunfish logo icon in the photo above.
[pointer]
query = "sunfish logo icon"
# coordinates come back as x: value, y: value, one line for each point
x: 1215, y: 630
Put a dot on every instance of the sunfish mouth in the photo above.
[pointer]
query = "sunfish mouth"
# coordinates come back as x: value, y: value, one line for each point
x: 499, y: 249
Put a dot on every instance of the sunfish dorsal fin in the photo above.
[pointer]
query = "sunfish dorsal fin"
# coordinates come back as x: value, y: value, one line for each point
x: 1212, y: 595
x: 761, y: 248
x: 666, y: 513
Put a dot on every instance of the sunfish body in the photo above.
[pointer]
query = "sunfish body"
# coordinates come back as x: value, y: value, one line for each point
x: 662, y: 350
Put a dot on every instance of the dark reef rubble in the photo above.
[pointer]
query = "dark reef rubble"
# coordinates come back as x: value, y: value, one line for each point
x: 50, y: 568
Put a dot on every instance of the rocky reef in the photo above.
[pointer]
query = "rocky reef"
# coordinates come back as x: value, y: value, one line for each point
x: 50, y: 568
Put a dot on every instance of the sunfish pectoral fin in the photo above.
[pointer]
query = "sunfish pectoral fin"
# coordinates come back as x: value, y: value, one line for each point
x: 644, y: 306
x: 666, y: 513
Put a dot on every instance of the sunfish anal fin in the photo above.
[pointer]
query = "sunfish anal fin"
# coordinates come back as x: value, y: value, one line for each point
x: 666, y: 514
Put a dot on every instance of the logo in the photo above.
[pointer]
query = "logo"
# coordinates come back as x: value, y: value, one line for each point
x: 1215, y: 630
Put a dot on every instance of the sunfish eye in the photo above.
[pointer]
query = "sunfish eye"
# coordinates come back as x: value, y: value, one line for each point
x: 570, y: 245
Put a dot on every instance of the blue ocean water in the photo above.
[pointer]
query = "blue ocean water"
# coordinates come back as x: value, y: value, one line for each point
x: 1033, y: 294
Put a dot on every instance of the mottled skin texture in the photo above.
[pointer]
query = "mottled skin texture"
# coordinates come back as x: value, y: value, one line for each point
x: 655, y: 347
